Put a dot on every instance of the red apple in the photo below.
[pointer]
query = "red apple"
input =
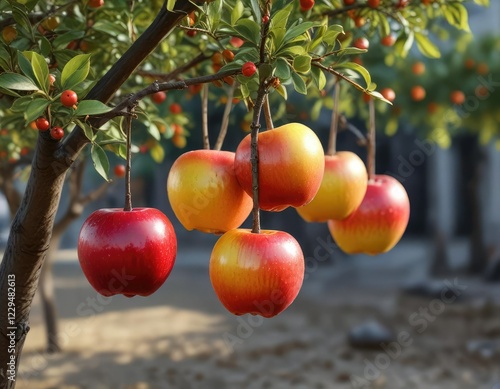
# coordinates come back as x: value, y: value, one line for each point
x: 291, y: 166
x: 259, y: 274
x: 204, y: 192
x: 379, y: 222
x: 127, y: 252
x: 342, y: 189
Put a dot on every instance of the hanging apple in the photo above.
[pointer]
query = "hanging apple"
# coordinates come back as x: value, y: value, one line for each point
x: 342, y: 189
x: 256, y: 273
x: 127, y: 252
x: 291, y: 166
x: 204, y: 192
x: 379, y: 222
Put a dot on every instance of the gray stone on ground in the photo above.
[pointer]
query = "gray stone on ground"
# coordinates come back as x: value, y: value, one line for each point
x: 370, y: 335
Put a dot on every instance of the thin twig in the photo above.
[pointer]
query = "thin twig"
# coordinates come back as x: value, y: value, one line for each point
x: 254, y: 154
x: 339, y: 75
x: 128, y: 193
x: 133, y: 99
x: 345, y: 125
x: 204, y: 117
x: 332, y: 141
x: 267, y: 114
x: 225, y: 118
x: 177, y: 71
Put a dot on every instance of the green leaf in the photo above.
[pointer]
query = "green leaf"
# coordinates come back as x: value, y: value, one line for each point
x: 87, y: 130
x: 157, y: 153
x: 248, y: 30
x: 61, y: 41
x: 100, y: 160
x: 297, y: 30
x: 20, y: 14
x: 319, y: 77
x: 254, y: 4
x: 75, y: 71
x: 359, y: 69
x: 21, y: 104
x: 170, y: 5
x: 456, y: 15
x: 330, y: 36
x: 302, y: 63
x: 282, y: 91
x: 40, y: 69
x: 35, y: 109
x: 114, y: 29
x: 282, y: 69
x: 299, y: 84
x: 45, y: 46
x: 237, y: 12
x: 426, y: 47
x: 26, y: 67
x: 91, y: 107
x: 16, y: 82
x: 9, y: 92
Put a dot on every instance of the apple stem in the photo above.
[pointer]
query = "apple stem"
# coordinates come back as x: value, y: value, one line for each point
x: 332, y: 141
x: 225, y: 118
x: 371, y: 145
x: 204, y: 116
x: 254, y: 153
x: 267, y: 114
x: 128, y: 192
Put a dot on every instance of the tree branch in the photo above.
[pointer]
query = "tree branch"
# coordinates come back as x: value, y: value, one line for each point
x: 107, y: 86
x: 178, y: 71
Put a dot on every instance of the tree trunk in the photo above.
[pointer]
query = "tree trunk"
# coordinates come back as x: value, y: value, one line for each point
x: 46, y: 289
x: 31, y: 229
x: 439, y: 264
x: 478, y: 257
x: 26, y: 250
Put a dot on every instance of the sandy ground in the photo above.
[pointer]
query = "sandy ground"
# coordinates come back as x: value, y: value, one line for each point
x: 181, y: 337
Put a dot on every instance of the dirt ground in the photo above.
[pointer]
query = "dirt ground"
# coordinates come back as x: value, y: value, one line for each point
x: 181, y: 337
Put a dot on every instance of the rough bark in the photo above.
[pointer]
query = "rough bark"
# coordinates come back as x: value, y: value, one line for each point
x: 32, y: 226
x: 47, y: 296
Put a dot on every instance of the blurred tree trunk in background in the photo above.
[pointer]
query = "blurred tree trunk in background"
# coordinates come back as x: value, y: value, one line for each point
x: 478, y: 257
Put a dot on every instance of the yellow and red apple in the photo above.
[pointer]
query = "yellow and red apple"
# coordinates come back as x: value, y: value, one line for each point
x: 379, y: 222
x: 260, y: 274
x: 291, y: 166
x: 204, y: 192
x: 342, y: 189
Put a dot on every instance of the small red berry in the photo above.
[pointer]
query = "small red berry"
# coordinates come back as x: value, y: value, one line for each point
x: 349, y: 2
x: 265, y: 19
x: 69, y: 98
x: 388, y: 94
x: 388, y: 40
x: 42, y: 124
x: 191, y: 33
x: 56, y: 133
x: 361, y: 43
x: 175, y: 108
x: 248, y: 69
x: 228, y: 55
x: 373, y: 3
x: 119, y: 171
x: 159, y: 97
x: 96, y: 3
x: 236, y: 42
x: 306, y: 5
